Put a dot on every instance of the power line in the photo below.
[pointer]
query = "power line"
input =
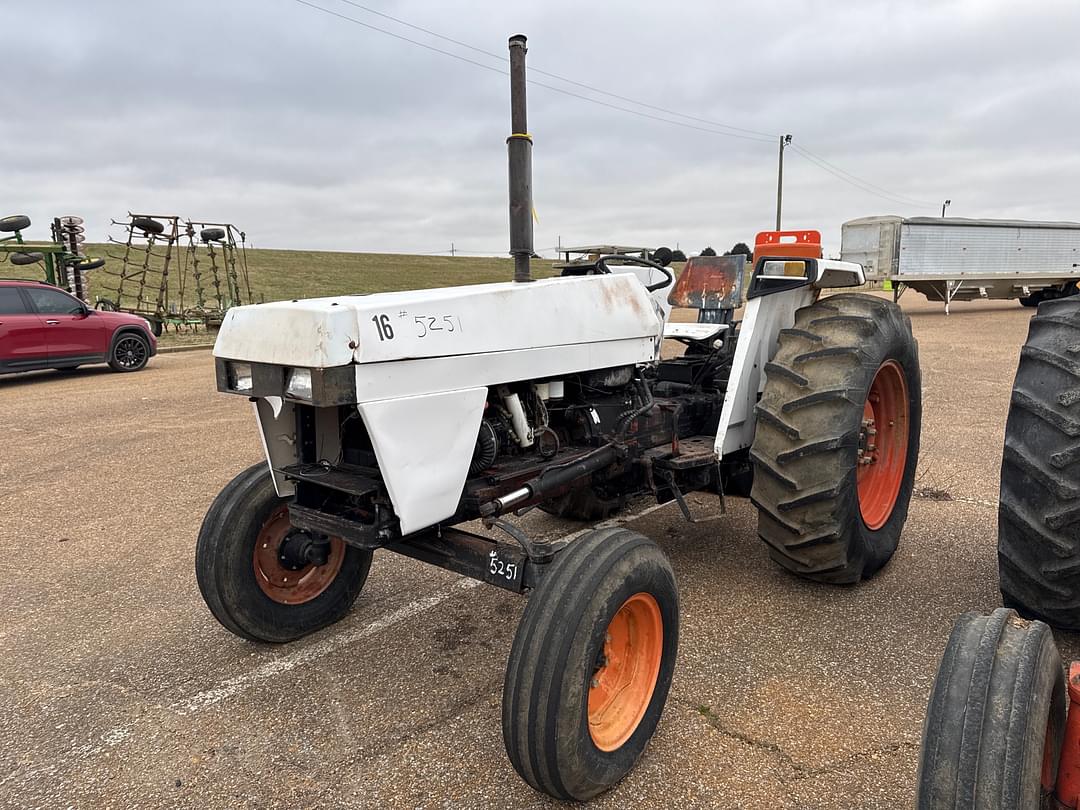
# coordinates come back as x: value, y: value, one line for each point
x: 855, y: 179
x: 533, y: 82
x: 858, y: 183
x: 532, y: 69
x: 738, y: 132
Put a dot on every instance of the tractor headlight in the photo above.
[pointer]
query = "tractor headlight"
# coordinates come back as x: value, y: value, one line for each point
x: 239, y: 377
x: 298, y: 384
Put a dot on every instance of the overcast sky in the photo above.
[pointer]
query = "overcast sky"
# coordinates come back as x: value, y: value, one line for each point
x: 310, y: 131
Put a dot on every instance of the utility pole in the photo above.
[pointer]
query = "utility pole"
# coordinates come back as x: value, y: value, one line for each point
x: 945, y: 205
x: 785, y: 140
x: 451, y: 248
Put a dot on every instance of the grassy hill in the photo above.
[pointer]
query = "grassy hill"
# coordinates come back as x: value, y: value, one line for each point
x: 285, y: 274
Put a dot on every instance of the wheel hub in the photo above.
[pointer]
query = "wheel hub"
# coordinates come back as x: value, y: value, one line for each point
x: 299, y: 549
x: 293, y: 567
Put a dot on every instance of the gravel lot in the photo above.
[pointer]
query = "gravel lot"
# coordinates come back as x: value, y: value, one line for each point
x: 119, y: 690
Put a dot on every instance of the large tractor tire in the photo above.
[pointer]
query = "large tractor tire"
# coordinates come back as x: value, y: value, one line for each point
x: 1039, y: 503
x: 837, y: 438
x: 250, y: 572
x: 996, y: 720
x: 591, y: 664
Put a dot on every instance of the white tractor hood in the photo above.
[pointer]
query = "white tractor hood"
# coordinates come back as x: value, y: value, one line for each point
x: 450, y: 321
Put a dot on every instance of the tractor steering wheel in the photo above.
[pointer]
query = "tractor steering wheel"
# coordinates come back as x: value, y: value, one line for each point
x: 601, y: 267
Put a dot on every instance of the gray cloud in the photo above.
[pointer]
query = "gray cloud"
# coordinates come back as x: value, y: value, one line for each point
x: 312, y: 132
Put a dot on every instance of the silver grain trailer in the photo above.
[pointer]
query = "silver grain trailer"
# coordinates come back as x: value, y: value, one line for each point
x: 950, y: 259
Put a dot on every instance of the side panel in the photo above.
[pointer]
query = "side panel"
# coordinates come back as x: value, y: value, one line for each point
x: 872, y: 244
x: 424, y: 445
x: 981, y: 251
x: 277, y: 429
x: 762, y: 321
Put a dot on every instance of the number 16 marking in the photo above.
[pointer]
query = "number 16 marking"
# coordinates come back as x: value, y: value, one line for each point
x: 382, y: 324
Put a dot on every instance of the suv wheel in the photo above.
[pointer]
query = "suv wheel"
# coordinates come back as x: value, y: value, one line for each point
x: 130, y: 352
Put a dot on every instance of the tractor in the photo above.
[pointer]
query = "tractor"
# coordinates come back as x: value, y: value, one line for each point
x: 404, y: 421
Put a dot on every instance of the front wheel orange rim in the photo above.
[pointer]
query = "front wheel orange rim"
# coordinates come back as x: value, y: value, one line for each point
x: 286, y: 584
x: 883, y: 443
x: 627, y: 669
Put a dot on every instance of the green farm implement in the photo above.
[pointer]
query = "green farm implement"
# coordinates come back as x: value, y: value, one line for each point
x: 61, y: 260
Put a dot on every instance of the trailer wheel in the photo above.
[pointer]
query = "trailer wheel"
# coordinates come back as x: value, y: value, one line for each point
x: 212, y: 234
x: 22, y: 259
x: 1039, y: 502
x: 248, y: 580
x: 14, y: 223
x: 837, y: 438
x: 147, y: 225
x: 996, y: 719
x: 591, y: 664
x: 583, y: 504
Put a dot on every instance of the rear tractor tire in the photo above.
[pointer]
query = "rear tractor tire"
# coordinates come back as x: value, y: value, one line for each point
x: 837, y: 438
x: 996, y: 720
x: 591, y: 664
x: 1039, y: 502
x: 249, y: 580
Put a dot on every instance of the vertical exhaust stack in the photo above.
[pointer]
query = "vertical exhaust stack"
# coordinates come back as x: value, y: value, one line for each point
x: 519, y: 153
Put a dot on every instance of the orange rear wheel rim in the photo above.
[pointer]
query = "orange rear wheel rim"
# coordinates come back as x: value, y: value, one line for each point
x: 883, y: 444
x: 628, y: 668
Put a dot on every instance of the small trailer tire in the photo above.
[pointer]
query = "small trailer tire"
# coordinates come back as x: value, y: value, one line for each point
x: 591, y: 664
x: 996, y: 719
x: 1039, y: 499
x: 22, y: 259
x: 14, y: 223
x: 243, y: 580
x: 837, y: 438
x: 148, y: 226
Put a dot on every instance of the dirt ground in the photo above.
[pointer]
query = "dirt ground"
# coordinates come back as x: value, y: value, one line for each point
x: 119, y: 690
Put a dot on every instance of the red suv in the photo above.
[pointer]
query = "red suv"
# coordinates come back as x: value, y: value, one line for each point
x: 44, y: 327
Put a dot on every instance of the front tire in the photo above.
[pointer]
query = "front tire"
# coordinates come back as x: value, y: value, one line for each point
x: 130, y: 352
x: 837, y: 438
x: 591, y: 664
x: 996, y: 719
x: 242, y: 580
